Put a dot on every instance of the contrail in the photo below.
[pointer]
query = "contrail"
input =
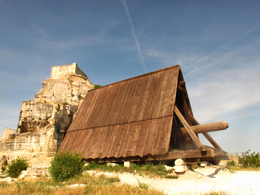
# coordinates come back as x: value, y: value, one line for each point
x: 194, y: 70
x: 140, y: 53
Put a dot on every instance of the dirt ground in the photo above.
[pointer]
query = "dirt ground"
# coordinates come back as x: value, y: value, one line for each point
x: 200, y: 181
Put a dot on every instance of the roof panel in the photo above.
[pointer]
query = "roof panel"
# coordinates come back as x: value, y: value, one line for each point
x: 128, y: 118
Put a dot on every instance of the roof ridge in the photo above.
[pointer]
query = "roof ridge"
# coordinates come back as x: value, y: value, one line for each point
x: 139, y: 76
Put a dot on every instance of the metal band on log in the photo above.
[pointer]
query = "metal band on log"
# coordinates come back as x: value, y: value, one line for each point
x: 201, y: 128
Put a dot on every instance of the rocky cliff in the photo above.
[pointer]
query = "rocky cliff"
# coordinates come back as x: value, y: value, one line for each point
x: 43, y: 122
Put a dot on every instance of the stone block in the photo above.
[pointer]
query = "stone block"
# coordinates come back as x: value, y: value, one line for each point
x: 204, y: 164
x: 168, y: 168
x: 7, y: 179
x: 33, y: 172
x: 179, y: 162
x: 126, y: 164
x: 180, y: 169
x: 86, y: 164
x: 22, y: 174
x: 112, y: 164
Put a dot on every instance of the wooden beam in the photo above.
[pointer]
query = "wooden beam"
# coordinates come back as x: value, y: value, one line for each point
x: 171, y: 155
x: 188, y: 128
x: 209, y: 138
x: 189, y: 144
x: 182, y: 84
x: 201, y: 128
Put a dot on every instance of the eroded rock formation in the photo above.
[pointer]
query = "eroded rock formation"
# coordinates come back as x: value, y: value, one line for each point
x: 44, y: 121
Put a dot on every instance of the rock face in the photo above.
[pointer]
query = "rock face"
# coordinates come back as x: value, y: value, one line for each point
x: 44, y: 121
x: 6, y: 133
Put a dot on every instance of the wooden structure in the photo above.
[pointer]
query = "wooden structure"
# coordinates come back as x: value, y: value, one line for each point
x: 145, y: 118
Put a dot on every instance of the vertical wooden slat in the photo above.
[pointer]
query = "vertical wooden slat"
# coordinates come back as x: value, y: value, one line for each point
x: 119, y: 103
x: 121, y: 138
x: 87, y: 134
x: 148, y: 108
x: 126, y: 140
x: 142, y: 138
x: 136, y: 100
x: 157, y: 95
x: 150, y: 137
x: 123, y: 103
x: 107, y: 105
x: 113, y: 141
x: 163, y: 96
x: 130, y: 102
x: 136, y: 136
x: 144, y: 99
x: 112, y: 105
x: 171, y: 92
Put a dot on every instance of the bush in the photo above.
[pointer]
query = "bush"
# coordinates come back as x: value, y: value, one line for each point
x: 231, y: 163
x: 250, y: 160
x: 66, y: 165
x: 97, y: 86
x: 5, y: 163
x: 16, y: 166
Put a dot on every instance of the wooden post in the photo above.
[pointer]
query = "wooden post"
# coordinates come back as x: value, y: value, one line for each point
x: 209, y: 138
x: 188, y: 128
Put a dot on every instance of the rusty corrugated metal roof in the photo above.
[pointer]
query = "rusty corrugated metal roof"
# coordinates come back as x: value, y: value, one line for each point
x: 129, y: 118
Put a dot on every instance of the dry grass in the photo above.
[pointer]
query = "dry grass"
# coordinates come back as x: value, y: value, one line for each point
x: 217, y: 193
x: 147, y: 169
x: 238, y: 168
x: 46, y: 186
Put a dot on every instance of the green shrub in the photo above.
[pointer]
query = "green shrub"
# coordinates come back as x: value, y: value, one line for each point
x: 231, y: 163
x: 66, y: 165
x: 250, y: 160
x: 16, y: 166
x: 171, y: 177
x: 4, y: 165
x: 97, y: 86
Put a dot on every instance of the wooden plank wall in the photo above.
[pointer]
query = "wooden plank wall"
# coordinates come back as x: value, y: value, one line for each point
x: 129, y: 118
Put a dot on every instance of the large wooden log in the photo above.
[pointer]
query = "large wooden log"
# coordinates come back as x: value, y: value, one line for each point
x: 188, y: 128
x: 201, y: 128
x: 207, y: 135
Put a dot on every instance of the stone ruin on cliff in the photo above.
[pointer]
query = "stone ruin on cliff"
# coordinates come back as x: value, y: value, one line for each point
x: 43, y: 122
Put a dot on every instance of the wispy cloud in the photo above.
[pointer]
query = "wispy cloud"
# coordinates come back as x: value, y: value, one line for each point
x: 226, y: 87
x: 224, y: 92
x: 140, y: 53
x: 205, y: 57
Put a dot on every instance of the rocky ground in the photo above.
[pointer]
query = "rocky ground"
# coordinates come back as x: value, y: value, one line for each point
x: 198, y: 181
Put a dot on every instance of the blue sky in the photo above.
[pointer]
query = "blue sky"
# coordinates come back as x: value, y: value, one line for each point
x: 216, y: 43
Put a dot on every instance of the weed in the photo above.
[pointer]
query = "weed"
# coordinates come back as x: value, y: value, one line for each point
x: 231, y: 163
x: 171, y: 177
x: 143, y: 185
x: 250, y: 160
x: 97, y: 86
x: 195, y: 166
